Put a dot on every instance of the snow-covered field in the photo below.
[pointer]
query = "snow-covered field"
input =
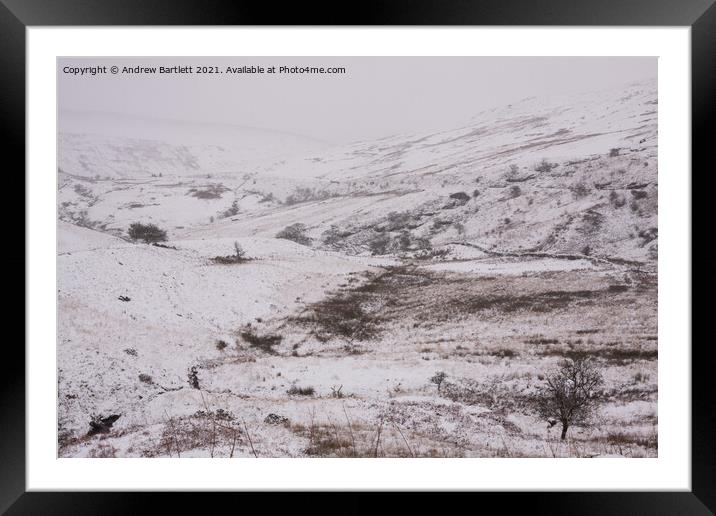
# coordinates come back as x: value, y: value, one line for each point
x: 490, y: 253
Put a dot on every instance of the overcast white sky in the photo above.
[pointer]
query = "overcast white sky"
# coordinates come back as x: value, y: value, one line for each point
x: 378, y: 96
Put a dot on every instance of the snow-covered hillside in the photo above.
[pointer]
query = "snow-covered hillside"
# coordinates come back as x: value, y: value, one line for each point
x: 103, y: 146
x: 489, y: 252
x: 568, y: 178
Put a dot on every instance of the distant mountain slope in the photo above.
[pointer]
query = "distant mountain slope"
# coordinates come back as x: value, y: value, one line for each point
x: 571, y: 176
x: 521, y: 133
x: 102, y: 145
x: 575, y: 175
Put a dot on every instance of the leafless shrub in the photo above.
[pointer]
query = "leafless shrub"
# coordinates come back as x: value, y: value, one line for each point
x: 232, y: 211
x: 239, y: 252
x: 193, y: 377
x: 438, y: 379
x: 580, y: 190
x: 545, y: 166
x: 295, y: 390
x: 337, y: 392
x: 641, y: 377
x: 276, y: 419
x: 296, y: 233
x: 218, y: 431
x: 147, y: 232
x: 103, y: 450
x: 617, y: 200
x: 267, y: 197
x: 239, y: 256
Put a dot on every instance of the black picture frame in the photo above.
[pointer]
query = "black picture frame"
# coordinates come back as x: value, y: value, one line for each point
x: 17, y: 15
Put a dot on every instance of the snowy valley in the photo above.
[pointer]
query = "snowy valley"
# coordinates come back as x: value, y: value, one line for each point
x: 401, y: 297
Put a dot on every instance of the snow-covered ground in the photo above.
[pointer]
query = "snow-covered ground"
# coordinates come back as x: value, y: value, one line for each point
x: 503, y: 266
x: 490, y: 253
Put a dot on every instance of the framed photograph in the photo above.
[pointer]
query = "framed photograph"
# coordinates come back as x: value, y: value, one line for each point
x: 418, y: 249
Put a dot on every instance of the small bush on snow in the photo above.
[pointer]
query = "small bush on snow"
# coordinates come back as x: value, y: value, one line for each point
x: 296, y: 233
x: 239, y: 256
x: 301, y: 391
x: 147, y: 232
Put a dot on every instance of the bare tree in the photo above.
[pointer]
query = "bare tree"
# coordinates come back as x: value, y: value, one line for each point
x: 438, y: 379
x: 239, y: 252
x: 570, y: 394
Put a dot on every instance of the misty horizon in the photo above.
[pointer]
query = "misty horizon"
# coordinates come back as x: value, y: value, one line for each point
x: 375, y: 98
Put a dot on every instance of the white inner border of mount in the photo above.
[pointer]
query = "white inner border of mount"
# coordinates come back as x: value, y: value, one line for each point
x: 670, y: 471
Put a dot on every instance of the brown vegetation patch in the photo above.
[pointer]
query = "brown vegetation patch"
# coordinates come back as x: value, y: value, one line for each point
x: 537, y: 302
x: 413, y: 296
x: 359, y: 440
x: 619, y: 355
x: 213, y: 191
x: 263, y: 342
x: 624, y: 439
